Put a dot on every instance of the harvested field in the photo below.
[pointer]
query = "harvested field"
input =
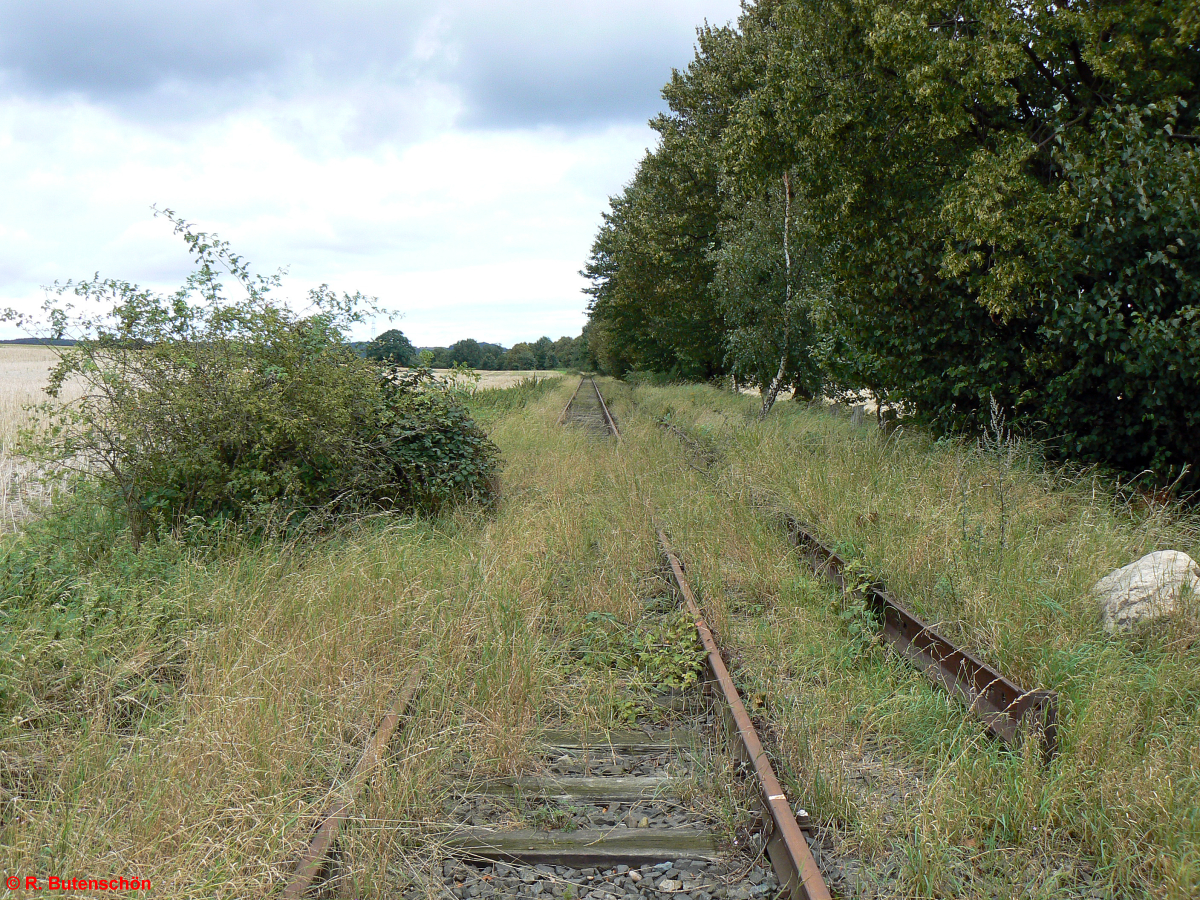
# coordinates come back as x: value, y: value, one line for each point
x: 23, y: 373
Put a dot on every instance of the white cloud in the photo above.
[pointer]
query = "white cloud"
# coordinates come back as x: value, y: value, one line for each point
x: 458, y: 171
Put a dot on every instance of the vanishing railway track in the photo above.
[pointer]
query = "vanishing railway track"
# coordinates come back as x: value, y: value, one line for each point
x: 587, y: 409
x: 616, y: 812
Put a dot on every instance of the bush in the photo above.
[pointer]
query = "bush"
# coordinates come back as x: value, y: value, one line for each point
x: 196, y: 405
x: 1120, y: 324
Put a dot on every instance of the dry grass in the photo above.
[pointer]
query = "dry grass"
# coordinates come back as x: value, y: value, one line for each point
x: 200, y: 762
x: 999, y: 553
x: 495, y: 380
x: 208, y: 791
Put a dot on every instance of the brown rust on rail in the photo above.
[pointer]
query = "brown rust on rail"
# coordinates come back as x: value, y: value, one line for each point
x: 1007, y: 709
x: 612, y: 425
x: 786, y: 845
x: 313, y: 860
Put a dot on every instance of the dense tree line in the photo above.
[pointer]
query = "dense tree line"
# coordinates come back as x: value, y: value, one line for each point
x: 566, y: 352
x: 943, y: 204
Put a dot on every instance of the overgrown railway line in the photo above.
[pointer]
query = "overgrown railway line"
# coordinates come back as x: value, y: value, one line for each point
x: 587, y: 408
x: 614, y: 812
x: 608, y: 833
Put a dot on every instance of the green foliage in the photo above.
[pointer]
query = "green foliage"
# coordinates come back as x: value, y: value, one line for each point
x: 764, y: 320
x: 991, y: 201
x: 392, y: 347
x: 650, y: 265
x: 857, y: 617
x: 80, y: 605
x: 422, y: 450
x: 541, y: 354
x: 198, y: 405
x: 662, y: 651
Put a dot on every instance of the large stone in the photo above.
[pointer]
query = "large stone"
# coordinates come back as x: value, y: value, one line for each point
x: 1145, y: 590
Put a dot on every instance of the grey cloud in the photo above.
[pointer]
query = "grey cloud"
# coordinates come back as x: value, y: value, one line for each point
x: 570, y: 63
x: 108, y: 49
x: 509, y: 63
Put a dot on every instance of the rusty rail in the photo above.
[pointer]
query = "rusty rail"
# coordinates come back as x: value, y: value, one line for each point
x: 313, y: 860
x: 786, y: 845
x: 612, y: 425
x: 1005, y: 708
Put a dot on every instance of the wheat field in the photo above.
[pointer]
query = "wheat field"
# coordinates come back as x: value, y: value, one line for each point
x: 24, y: 371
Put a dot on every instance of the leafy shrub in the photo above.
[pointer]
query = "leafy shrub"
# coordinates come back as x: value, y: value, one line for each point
x: 423, y: 450
x: 195, y: 405
x: 662, y: 651
x: 1120, y: 326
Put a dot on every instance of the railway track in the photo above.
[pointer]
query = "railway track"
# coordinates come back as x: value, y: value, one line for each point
x: 613, y: 814
x: 618, y: 812
x: 587, y: 409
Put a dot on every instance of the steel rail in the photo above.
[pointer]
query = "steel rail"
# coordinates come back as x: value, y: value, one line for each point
x: 786, y: 845
x: 1005, y: 708
x: 562, y: 416
x: 313, y: 860
x: 612, y: 425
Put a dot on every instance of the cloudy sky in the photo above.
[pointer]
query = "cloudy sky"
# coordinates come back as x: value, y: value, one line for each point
x: 451, y: 157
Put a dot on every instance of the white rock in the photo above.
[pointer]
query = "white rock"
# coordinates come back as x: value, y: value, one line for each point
x: 1145, y: 590
x: 669, y: 884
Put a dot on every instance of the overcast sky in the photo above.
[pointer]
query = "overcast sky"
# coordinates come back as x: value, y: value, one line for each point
x: 451, y: 157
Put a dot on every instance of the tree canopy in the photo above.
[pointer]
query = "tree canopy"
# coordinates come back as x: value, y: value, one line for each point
x: 941, y: 204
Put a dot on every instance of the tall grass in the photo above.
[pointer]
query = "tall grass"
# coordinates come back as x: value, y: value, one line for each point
x: 1000, y: 551
x: 249, y: 676
x: 203, y: 771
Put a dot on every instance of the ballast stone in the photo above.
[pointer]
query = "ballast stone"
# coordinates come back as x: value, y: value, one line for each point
x: 1145, y: 590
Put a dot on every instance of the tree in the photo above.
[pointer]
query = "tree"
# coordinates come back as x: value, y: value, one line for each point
x: 520, y: 356
x: 769, y: 298
x: 564, y: 349
x: 650, y: 264
x: 392, y: 347
x: 997, y: 189
x: 467, y: 352
x: 543, y: 354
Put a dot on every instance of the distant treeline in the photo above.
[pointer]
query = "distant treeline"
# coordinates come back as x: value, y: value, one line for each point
x: 45, y: 342
x: 566, y: 352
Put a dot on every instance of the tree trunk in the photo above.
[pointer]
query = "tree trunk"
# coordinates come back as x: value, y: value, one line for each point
x: 776, y: 384
x: 774, y: 388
